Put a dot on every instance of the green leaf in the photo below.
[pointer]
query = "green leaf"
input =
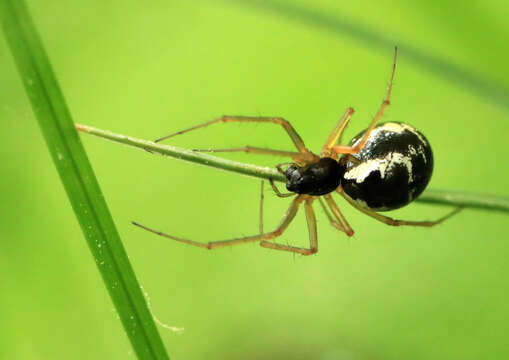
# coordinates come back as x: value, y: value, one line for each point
x: 79, y: 181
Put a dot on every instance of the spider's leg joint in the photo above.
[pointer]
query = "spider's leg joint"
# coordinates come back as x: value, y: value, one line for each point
x: 275, y: 233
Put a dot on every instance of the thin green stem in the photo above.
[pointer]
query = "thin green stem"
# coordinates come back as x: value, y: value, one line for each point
x: 78, y: 179
x: 466, y: 199
x: 187, y: 155
x: 441, y: 197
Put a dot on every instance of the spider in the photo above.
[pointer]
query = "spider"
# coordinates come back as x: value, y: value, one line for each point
x: 383, y: 168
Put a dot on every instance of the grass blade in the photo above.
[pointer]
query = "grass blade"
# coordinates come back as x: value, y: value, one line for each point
x: 78, y: 179
x: 440, y: 197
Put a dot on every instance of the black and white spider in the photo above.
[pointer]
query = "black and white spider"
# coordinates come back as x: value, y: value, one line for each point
x: 383, y: 168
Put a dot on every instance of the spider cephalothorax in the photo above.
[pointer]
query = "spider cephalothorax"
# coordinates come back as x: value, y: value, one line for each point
x: 383, y: 168
x: 317, y: 178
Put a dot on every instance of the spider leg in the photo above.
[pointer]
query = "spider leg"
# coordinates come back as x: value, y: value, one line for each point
x: 339, y: 216
x: 395, y: 222
x: 261, y: 208
x: 336, y: 133
x: 313, y: 238
x: 332, y: 220
x: 287, y: 219
x: 297, y: 140
x: 296, y: 156
x: 342, y: 149
x: 278, y: 193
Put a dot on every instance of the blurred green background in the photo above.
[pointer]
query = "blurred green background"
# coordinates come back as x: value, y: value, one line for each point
x: 148, y: 69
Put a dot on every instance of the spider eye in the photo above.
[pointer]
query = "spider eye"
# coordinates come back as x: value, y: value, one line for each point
x: 292, y: 173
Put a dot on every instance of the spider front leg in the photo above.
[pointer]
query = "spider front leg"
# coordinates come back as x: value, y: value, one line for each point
x: 294, y: 136
x: 343, y: 149
x: 313, y: 237
x: 395, y: 222
x: 287, y: 219
x: 295, y: 156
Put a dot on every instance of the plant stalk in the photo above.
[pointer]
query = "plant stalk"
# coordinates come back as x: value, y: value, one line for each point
x: 430, y: 196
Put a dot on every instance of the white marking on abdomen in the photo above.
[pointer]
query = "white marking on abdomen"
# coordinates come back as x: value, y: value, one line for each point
x: 360, y: 172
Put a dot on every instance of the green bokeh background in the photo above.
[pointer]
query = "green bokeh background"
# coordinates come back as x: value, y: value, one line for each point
x: 147, y: 69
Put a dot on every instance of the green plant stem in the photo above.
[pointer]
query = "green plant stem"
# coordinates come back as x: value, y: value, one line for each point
x: 442, y: 197
x: 466, y: 199
x: 187, y: 155
x: 79, y: 180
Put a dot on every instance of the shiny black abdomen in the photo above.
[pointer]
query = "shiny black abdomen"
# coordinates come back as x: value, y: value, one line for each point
x: 319, y: 178
x: 393, y: 167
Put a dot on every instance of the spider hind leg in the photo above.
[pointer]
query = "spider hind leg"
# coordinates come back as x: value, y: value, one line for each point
x: 396, y: 222
x: 343, y: 149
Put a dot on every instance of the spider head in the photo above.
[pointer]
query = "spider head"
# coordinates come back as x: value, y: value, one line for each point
x: 294, y: 179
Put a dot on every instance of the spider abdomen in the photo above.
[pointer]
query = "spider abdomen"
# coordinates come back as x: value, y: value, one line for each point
x: 391, y: 170
x: 318, y: 178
